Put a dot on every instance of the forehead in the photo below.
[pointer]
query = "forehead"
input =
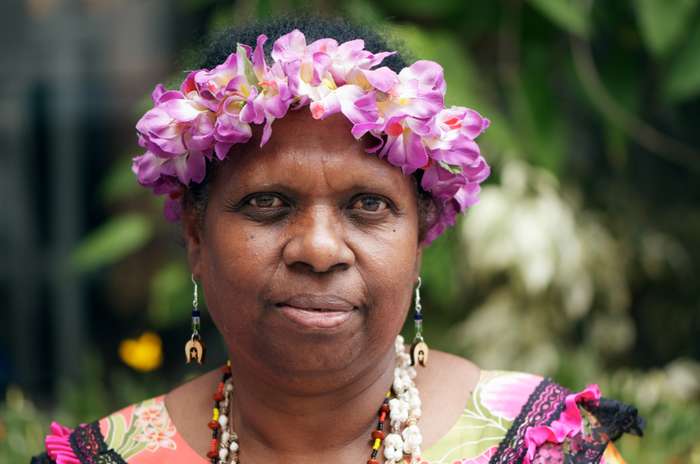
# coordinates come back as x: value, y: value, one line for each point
x: 308, y: 154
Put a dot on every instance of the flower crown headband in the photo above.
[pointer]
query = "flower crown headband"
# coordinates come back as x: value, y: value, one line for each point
x: 404, y: 112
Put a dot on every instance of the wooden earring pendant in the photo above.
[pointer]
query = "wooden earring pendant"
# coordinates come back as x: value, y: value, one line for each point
x: 195, y: 350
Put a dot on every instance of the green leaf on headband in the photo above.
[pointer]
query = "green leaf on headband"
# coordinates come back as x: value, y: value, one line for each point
x: 247, y: 65
x: 454, y: 169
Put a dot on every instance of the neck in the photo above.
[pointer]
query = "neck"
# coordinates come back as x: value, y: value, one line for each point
x: 278, y: 424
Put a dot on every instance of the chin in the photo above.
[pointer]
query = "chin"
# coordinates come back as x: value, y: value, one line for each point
x: 303, y: 354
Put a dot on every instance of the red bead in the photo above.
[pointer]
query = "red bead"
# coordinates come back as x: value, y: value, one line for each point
x: 382, y: 417
x: 378, y: 434
x: 226, y: 369
x: 213, y: 425
x: 384, y: 408
x: 372, y: 461
x: 218, y: 396
x: 213, y: 449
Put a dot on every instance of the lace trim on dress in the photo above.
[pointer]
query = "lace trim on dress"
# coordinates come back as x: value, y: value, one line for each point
x: 576, y: 431
x: 545, y: 404
x: 83, y: 445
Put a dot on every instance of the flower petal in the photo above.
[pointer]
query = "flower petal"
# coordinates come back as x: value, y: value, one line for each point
x: 289, y: 47
x: 259, y: 64
x: 428, y: 74
x: 147, y: 168
x: 383, y: 79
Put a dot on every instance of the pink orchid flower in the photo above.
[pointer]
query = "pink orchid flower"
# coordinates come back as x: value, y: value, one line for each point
x: 304, y: 66
x: 419, y: 92
x: 274, y: 98
x: 349, y: 56
x: 404, y: 146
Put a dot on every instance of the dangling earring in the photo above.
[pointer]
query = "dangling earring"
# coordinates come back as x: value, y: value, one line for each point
x: 194, y: 348
x: 419, y: 349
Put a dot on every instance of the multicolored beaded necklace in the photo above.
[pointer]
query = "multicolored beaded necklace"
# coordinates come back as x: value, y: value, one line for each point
x: 401, y: 406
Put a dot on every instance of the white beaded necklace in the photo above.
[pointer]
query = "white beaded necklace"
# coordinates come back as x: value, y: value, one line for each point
x: 404, y: 439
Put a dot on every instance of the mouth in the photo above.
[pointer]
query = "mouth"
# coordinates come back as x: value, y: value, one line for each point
x: 316, y: 311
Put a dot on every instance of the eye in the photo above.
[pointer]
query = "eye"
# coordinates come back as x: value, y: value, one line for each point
x: 265, y: 200
x: 370, y: 203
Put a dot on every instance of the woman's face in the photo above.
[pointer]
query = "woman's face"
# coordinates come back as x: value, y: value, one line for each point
x: 309, y: 250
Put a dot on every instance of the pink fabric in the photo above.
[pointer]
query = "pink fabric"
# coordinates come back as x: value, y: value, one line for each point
x: 505, y: 395
x: 58, y: 446
x: 568, y: 425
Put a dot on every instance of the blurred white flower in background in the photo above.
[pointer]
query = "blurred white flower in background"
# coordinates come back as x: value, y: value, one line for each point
x: 544, y: 263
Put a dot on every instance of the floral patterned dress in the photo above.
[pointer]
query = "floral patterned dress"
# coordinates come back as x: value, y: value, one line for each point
x: 511, y: 417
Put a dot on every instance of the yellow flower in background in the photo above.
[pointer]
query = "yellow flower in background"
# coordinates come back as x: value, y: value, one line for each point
x: 143, y: 354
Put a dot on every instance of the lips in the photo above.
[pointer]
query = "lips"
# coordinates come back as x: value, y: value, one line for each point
x: 316, y: 311
x: 322, y: 303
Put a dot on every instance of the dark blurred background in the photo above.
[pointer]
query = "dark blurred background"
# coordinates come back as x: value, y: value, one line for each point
x: 580, y: 262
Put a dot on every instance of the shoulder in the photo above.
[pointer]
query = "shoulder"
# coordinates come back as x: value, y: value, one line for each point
x: 456, y: 372
x: 140, y: 427
x: 139, y: 433
x: 449, y: 376
x: 447, y: 367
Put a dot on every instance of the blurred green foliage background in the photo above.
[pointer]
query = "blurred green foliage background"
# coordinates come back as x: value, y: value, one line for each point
x: 580, y: 262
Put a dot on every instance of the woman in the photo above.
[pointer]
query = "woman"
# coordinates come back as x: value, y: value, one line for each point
x: 308, y: 251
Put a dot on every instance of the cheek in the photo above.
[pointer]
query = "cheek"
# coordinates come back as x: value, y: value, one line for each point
x: 238, y: 264
x: 388, y: 269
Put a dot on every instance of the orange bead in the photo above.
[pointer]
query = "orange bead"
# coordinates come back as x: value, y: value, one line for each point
x: 372, y: 461
x: 213, y: 425
x: 384, y: 408
x: 378, y: 434
x: 382, y: 417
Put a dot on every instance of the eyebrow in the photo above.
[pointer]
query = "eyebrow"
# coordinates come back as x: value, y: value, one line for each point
x: 286, y: 188
x: 358, y: 187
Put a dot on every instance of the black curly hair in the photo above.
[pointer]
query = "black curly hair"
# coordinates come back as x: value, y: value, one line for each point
x: 220, y: 46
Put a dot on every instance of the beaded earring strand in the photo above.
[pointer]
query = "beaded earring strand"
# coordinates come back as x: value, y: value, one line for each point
x: 401, y: 406
x: 419, y: 348
x: 194, y: 348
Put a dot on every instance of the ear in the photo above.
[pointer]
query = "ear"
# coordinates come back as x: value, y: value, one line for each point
x: 192, y: 234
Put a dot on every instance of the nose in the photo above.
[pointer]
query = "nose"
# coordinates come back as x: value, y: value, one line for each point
x: 317, y: 242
